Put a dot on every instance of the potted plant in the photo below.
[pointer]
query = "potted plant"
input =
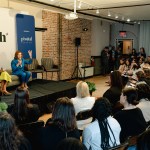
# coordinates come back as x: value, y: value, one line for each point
x: 92, y: 87
x: 3, y: 107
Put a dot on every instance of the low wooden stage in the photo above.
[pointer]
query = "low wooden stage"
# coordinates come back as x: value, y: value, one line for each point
x: 45, y: 92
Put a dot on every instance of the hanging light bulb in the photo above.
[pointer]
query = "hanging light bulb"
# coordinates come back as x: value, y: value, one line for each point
x: 109, y: 14
x: 97, y: 11
x: 73, y: 15
x: 80, y: 4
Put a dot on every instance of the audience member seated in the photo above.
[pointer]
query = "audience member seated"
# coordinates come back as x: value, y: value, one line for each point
x: 141, y: 62
x: 10, y: 137
x: 23, y: 111
x: 147, y: 76
x: 62, y: 125
x: 127, y: 67
x: 104, y: 131
x: 140, y: 76
x: 71, y: 144
x: 146, y: 65
x: 144, y: 99
x: 82, y: 102
x: 142, y: 53
x: 4, y: 78
x: 133, y: 54
x: 114, y: 92
x: 122, y: 65
x: 131, y: 119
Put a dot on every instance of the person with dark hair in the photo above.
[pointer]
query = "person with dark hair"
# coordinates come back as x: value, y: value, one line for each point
x: 127, y: 70
x: 143, y: 141
x: 104, y: 131
x: 133, y: 54
x: 105, y: 60
x: 130, y: 118
x: 147, y: 76
x: 71, y: 144
x: 116, y: 86
x: 62, y: 125
x: 10, y: 137
x: 144, y: 99
x: 18, y: 65
x: 23, y: 111
x: 142, y: 53
x: 122, y: 65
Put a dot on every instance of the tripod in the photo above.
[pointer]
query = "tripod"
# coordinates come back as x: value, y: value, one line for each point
x: 76, y: 71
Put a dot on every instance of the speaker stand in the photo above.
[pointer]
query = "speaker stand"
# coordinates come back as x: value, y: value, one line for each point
x: 76, y: 71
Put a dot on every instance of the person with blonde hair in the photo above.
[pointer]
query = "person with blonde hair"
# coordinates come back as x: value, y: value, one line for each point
x: 83, y: 101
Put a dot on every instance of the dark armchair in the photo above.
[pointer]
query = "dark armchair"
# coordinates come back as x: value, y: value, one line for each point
x: 35, y: 67
x: 49, y: 66
x: 85, y: 114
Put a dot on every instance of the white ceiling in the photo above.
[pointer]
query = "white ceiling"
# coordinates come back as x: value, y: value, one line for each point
x: 134, y: 13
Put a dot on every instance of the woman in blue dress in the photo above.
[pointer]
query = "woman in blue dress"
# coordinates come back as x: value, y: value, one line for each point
x: 18, y: 64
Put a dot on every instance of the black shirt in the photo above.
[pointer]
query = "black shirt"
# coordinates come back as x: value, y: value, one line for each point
x: 131, y: 121
x: 51, y: 135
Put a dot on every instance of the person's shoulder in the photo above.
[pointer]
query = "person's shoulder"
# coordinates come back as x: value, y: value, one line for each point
x: 112, y: 121
x: 92, y: 125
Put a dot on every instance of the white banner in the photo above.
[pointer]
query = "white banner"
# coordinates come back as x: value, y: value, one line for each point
x: 7, y: 37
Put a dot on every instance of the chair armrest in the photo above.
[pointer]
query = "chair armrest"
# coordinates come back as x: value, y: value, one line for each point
x: 55, y: 66
x: 40, y: 67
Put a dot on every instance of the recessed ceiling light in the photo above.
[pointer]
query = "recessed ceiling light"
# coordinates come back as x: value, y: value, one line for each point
x: 128, y: 20
x: 116, y: 16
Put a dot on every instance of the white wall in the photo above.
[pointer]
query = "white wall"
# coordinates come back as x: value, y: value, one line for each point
x: 100, y: 36
x: 31, y: 10
x: 8, y: 37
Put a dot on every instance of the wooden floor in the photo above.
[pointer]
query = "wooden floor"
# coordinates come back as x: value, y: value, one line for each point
x: 101, y: 87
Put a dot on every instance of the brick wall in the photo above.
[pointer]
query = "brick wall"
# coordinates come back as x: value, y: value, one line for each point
x: 59, y: 40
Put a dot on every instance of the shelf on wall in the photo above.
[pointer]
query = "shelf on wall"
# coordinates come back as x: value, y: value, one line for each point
x: 40, y: 29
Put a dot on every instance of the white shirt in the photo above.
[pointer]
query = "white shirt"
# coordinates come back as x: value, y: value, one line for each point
x: 144, y: 105
x: 92, y: 136
x: 81, y: 104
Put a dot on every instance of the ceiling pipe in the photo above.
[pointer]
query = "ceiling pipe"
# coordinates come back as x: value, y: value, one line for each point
x: 91, y: 15
x: 115, y: 7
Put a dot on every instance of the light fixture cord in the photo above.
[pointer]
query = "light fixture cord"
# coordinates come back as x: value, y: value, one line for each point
x: 75, y: 4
